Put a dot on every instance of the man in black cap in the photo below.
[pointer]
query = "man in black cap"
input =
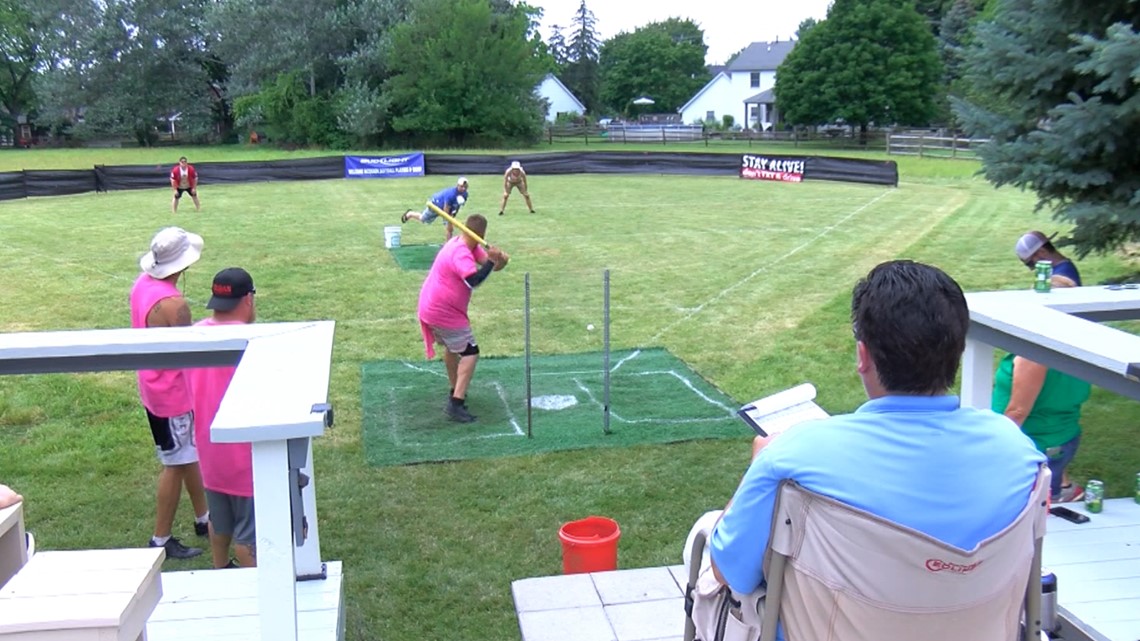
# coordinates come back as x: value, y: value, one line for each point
x: 1034, y: 246
x: 227, y: 468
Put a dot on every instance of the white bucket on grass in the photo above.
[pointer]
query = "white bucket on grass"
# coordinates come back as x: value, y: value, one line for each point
x: 391, y: 237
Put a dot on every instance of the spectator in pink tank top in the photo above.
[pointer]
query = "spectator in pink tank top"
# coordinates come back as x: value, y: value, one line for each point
x: 156, y: 302
x: 227, y: 468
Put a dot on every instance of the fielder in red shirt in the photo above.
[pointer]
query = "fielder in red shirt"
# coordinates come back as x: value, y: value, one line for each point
x: 183, y: 178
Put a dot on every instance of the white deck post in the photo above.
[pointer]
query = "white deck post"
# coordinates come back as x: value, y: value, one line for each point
x: 276, y: 579
x: 279, y: 392
x: 977, y: 374
x: 308, y: 556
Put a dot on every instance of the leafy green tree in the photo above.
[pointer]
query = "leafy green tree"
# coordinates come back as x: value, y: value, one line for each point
x: 870, y: 61
x: 1057, y: 87
x: 580, y: 74
x: 20, y: 52
x: 804, y: 27
x: 461, y: 71
x: 663, y: 60
x: 259, y: 39
x: 130, y: 64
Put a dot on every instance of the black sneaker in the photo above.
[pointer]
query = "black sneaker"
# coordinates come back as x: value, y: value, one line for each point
x: 459, y: 413
x: 202, y: 529
x: 500, y: 213
x: 175, y: 549
x: 231, y: 565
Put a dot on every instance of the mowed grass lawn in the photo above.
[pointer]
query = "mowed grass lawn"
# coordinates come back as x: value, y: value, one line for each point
x: 747, y: 282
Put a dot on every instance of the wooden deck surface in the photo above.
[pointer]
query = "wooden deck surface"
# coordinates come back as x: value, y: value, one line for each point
x: 221, y: 605
x: 1098, y: 568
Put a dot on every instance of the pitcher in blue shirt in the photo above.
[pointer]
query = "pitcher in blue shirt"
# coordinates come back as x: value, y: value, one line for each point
x: 449, y: 200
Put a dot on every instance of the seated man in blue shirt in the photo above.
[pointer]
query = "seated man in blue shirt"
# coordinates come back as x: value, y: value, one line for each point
x: 911, y: 454
x: 1034, y: 246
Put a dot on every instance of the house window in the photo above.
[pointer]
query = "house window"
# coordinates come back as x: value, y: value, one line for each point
x: 755, y: 78
x: 710, y: 115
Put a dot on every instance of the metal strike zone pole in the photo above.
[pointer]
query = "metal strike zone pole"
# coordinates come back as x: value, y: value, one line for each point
x: 526, y: 349
x: 606, y: 350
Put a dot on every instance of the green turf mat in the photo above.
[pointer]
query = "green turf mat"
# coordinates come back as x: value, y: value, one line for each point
x: 411, y: 257
x: 654, y: 398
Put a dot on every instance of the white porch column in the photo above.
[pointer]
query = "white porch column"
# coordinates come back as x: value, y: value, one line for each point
x: 276, y: 580
x: 977, y: 374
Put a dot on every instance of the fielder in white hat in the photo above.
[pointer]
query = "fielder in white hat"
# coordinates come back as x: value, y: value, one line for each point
x: 515, y: 178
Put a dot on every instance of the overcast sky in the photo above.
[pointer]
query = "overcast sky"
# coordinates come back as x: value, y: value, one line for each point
x: 729, y: 25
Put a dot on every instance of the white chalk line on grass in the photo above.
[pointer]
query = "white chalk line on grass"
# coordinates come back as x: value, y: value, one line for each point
x: 394, y: 427
x: 641, y: 421
x: 623, y: 361
x: 510, y: 415
x: 516, y: 428
x: 420, y: 368
x: 67, y: 263
x: 692, y: 388
x: 81, y: 266
x: 763, y: 268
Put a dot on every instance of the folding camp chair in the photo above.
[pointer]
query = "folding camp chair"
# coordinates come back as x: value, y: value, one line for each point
x: 842, y: 574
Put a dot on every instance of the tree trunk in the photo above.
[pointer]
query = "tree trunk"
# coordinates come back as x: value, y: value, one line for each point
x: 863, y: 135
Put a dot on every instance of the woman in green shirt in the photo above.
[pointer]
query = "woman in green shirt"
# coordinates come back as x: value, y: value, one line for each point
x: 1046, y: 404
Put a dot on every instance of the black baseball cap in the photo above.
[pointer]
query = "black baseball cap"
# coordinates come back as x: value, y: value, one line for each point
x: 230, y: 286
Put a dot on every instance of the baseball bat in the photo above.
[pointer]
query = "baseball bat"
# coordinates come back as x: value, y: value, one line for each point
x: 458, y: 225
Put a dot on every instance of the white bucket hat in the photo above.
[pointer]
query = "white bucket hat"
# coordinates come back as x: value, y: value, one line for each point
x: 172, y: 250
x: 516, y: 165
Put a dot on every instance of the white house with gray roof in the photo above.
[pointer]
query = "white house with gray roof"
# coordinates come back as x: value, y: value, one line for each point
x: 559, y: 99
x: 743, y: 89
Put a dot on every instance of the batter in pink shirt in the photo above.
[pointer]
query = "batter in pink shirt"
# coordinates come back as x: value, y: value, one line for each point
x: 459, y: 267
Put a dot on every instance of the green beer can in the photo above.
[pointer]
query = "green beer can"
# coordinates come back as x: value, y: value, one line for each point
x: 1044, y: 272
x: 1138, y: 487
x: 1094, y: 496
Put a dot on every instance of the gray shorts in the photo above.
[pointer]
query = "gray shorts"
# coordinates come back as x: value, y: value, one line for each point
x: 173, y: 438
x: 456, y: 341
x: 428, y: 216
x: 232, y: 516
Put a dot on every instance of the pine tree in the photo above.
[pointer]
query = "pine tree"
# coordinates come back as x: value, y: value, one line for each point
x: 581, y: 72
x: 1055, y: 87
x: 559, y: 50
x: 953, y: 35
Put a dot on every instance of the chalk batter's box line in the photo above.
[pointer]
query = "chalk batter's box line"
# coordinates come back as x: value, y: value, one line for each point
x: 497, y: 384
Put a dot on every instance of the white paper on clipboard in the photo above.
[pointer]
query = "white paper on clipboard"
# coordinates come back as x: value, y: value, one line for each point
x: 776, y: 413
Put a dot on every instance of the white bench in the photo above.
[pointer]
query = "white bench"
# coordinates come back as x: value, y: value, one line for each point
x: 13, y: 550
x: 82, y: 595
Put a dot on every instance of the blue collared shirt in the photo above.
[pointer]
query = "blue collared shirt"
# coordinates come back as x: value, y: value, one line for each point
x: 957, y: 474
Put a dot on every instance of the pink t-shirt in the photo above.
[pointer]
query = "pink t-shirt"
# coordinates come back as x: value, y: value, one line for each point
x: 445, y: 295
x: 226, y: 467
x: 162, y: 391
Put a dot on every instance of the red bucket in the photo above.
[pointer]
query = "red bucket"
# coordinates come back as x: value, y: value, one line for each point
x: 589, y: 545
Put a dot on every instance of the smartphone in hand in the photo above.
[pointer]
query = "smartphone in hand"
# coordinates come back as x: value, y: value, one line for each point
x: 1068, y: 515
